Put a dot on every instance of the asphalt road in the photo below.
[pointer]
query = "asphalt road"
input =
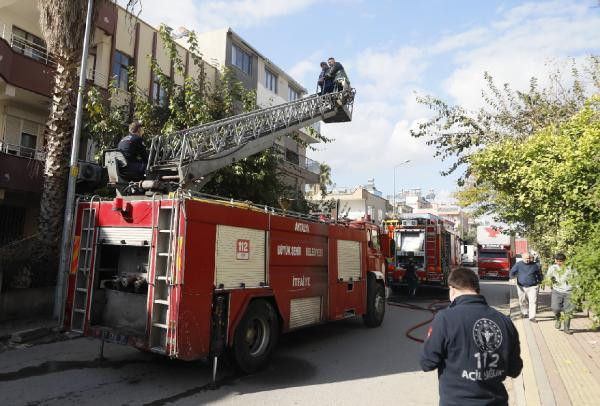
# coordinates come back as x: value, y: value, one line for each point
x: 341, y: 363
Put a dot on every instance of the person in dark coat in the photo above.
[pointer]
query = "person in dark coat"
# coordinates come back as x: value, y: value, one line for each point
x: 132, y: 146
x: 337, y: 74
x: 473, y: 347
x: 410, y: 276
x: 529, y: 276
x: 324, y: 83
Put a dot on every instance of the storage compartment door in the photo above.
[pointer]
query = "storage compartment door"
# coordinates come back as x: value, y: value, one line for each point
x: 240, y: 257
x: 348, y: 260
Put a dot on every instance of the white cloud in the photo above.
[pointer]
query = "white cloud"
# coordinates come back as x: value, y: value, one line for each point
x: 207, y: 15
x: 524, y: 41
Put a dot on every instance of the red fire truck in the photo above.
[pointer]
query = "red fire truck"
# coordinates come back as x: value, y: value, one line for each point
x: 189, y: 276
x: 430, y: 241
x: 496, y: 252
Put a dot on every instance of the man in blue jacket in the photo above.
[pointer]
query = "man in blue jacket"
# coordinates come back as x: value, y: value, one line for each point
x: 473, y: 346
x: 529, y: 277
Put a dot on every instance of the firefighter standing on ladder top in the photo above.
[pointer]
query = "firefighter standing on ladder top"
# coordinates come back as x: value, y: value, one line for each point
x: 473, y: 346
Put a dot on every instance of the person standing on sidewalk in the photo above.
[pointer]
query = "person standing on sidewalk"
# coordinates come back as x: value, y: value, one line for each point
x: 473, y: 346
x: 529, y: 277
x: 560, y: 274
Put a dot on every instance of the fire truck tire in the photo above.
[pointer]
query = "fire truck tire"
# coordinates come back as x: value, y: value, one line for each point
x: 375, y: 304
x: 255, y: 336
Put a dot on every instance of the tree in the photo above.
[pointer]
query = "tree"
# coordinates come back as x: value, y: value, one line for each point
x: 194, y: 102
x: 457, y: 132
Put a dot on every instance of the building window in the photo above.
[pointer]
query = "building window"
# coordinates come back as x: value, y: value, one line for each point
x: 293, y: 94
x: 241, y: 60
x: 270, y: 81
x: 28, y: 144
x: 159, y: 93
x: 29, y: 45
x: 120, y: 70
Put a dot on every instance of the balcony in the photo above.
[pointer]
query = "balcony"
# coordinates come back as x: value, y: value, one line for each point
x: 22, y: 168
x: 25, y: 64
x: 299, y: 165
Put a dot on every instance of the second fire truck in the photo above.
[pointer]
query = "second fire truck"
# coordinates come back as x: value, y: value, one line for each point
x: 429, y: 241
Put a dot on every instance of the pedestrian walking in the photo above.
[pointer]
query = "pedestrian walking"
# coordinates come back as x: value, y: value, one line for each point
x: 528, y: 276
x: 560, y: 275
x: 473, y: 346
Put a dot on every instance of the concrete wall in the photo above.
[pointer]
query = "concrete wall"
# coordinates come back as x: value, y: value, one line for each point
x: 26, y: 303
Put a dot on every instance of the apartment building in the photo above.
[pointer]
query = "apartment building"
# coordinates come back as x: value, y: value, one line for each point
x: 357, y: 201
x: 26, y: 78
x: 273, y: 86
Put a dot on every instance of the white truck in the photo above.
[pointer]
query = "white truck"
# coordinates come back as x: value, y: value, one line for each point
x: 469, y: 255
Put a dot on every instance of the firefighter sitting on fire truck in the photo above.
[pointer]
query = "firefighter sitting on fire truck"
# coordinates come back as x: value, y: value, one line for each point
x: 132, y: 146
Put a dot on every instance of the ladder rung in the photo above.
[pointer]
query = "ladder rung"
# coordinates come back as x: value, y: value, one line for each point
x: 162, y: 302
x: 164, y: 254
x: 79, y: 310
x: 160, y: 325
x: 159, y: 350
x: 165, y: 231
x: 166, y: 207
x: 161, y: 278
x: 87, y: 229
x: 81, y: 290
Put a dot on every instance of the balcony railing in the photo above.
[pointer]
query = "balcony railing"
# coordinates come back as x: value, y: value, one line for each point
x: 299, y: 160
x: 24, y: 152
x: 26, y: 47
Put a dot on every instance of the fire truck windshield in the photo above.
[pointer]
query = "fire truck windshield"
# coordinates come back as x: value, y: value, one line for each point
x: 410, y: 241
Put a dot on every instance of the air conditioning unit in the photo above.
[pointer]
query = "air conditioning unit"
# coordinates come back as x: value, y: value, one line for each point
x: 89, y: 172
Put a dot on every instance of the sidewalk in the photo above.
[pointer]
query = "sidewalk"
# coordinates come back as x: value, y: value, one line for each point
x: 558, y: 369
x: 27, y: 332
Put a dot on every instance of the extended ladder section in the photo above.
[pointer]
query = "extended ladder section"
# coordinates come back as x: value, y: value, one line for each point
x: 166, y: 243
x: 83, y: 269
x: 187, y: 156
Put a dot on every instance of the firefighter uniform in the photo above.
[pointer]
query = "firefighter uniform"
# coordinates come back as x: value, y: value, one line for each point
x: 474, y: 348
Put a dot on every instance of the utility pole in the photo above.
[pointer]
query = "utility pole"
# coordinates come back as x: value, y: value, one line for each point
x: 394, y: 208
x: 73, y: 171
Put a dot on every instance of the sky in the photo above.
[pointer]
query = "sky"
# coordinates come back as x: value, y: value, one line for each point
x: 393, y: 51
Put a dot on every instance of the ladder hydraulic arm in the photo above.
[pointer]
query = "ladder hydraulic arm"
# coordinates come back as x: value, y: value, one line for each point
x: 188, y: 156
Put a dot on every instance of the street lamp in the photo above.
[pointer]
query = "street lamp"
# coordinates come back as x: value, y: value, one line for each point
x: 400, y: 164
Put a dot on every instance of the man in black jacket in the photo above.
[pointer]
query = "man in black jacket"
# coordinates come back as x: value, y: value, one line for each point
x: 132, y: 146
x: 473, y: 346
x: 337, y: 74
x: 529, y: 277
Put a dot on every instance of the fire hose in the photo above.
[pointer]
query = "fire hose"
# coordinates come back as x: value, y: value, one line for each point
x: 433, y: 308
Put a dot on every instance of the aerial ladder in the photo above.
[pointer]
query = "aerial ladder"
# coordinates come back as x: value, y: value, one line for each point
x: 187, y: 158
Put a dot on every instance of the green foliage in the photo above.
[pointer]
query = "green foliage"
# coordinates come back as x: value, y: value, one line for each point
x: 587, y: 280
x: 188, y: 104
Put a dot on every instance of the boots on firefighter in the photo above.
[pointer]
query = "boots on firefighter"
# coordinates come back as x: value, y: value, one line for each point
x: 568, y: 325
x: 557, y: 322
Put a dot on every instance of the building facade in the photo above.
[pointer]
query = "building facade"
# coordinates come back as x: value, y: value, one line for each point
x: 356, y: 202
x: 119, y: 41
x: 273, y: 86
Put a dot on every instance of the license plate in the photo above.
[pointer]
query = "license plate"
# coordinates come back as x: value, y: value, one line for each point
x: 112, y: 337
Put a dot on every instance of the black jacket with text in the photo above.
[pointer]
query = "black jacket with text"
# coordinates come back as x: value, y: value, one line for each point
x: 474, y: 348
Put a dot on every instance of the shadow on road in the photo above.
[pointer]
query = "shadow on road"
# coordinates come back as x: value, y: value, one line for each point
x: 329, y: 353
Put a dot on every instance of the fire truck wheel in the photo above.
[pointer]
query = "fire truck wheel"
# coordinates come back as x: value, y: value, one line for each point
x: 375, y: 304
x: 256, y: 336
